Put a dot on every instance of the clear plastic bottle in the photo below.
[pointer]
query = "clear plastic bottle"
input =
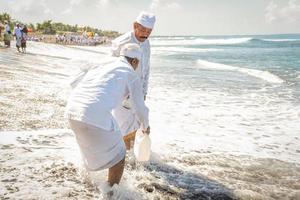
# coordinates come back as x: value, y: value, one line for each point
x: 142, y: 146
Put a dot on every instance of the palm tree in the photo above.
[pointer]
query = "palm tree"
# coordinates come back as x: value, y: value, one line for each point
x: 5, y: 17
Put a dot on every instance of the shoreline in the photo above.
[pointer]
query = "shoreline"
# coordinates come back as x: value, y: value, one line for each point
x: 70, y: 39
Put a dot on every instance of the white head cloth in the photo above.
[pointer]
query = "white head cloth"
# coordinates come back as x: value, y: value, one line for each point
x: 131, y: 50
x: 146, y: 19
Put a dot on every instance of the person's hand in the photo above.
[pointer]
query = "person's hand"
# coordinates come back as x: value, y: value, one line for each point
x: 147, y: 131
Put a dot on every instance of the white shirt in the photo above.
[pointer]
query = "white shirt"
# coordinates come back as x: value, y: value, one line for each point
x: 101, y: 90
x: 18, y: 32
x: 144, y: 64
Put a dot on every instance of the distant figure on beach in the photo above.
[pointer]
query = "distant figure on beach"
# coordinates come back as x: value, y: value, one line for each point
x: 142, y: 29
x: 7, y: 35
x: 18, y: 35
x: 89, y: 110
x: 1, y: 27
x: 24, y: 32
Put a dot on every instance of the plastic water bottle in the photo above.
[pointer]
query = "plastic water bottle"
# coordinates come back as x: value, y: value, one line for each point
x: 142, y: 146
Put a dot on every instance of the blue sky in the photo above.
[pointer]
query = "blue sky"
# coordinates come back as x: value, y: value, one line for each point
x: 174, y: 17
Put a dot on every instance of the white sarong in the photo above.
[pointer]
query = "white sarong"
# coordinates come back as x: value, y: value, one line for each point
x: 100, y: 149
x: 18, y: 42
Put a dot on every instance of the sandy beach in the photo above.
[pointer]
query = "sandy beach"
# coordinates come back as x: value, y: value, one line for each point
x: 39, y: 158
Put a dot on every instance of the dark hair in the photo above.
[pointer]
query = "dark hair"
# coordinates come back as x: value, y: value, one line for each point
x: 25, y: 30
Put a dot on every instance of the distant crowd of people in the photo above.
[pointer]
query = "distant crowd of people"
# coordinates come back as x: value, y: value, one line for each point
x: 20, y: 34
x: 82, y: 40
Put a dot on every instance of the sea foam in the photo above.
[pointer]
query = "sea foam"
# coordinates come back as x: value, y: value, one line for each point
x: 265, y: 75
x: 280, y: 40
x: 157, y: 50
x: 201, y: 41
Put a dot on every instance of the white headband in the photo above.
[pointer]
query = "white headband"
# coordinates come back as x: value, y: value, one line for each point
x: 131, y: 50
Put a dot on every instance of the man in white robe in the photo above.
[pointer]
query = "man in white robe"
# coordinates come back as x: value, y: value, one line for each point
x: 18, y: 34
x: 142, y: 29
x: 89, y: 112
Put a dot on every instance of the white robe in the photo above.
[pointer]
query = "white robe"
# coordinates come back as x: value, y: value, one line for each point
x: 126, y: 118
x: 18, y: 34
x: 101, y: 90
x: 89, y: 112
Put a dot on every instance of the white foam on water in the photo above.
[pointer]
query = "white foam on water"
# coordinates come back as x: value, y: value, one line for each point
x: 172, y: 38
x: 168, y: 50
x: 264, y: 75
x: 252, y: 123
x: 52, y: 157
x: 200, y: 41
x: 281, y: 40
x: 106, y: 50
x: 67, y: 52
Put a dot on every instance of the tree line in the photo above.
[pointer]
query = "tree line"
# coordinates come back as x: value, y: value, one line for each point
x: 51, y: 28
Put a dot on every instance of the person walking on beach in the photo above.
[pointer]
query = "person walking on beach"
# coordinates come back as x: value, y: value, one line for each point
x: 1, y: 26
x: 18, y: 35
x: 89, y: 112
x: 24, y: 32
x: 142, y: 29
x: 7, y: 35
x: 6, y: 27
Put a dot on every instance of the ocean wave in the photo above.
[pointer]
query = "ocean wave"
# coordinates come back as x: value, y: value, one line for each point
x: 105, y: 50
x: 172, y: 38
x: 201, y: 41
x: 280, y: 40
x: 92, y: 54
x: 265, y: 75
x: 156, y: 50
x: 177, y: 41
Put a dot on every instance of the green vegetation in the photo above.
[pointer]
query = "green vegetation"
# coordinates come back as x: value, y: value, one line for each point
x: 51, y: 28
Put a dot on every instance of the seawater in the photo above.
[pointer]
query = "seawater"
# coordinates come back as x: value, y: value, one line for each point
x: 238, y: 94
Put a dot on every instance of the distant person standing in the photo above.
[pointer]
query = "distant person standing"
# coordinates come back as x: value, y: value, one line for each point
x: 7, y: 34
x: 18, y: 35
x: 1, y: 26
x: 142, y: 29
x: 24, y: 32
x: 7, y: 28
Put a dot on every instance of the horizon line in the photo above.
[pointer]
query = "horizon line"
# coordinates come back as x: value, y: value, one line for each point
x: 196, y: 35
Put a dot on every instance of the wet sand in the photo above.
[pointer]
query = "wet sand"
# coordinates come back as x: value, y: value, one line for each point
x: 45, y: 165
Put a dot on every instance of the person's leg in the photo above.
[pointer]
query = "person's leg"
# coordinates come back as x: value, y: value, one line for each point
x: 18, y: 44
x: 115, y: 173
x: 129, y: 139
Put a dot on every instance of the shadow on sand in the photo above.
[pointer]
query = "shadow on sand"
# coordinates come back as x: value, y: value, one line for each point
x: 180, y: 184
